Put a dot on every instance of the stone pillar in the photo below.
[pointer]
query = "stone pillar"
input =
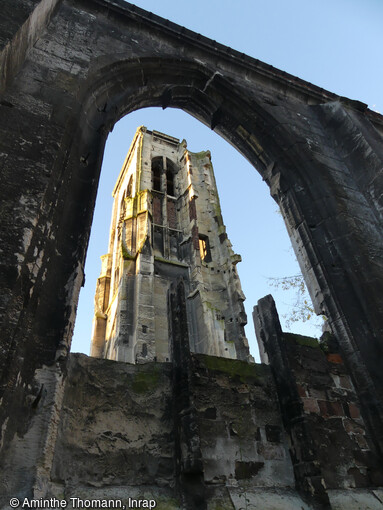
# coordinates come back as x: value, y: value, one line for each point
x: 189, y: 464
x: 332, y: 446
x: 307, y: 469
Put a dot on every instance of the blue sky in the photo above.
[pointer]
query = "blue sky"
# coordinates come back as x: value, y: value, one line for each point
x: 337, y: 45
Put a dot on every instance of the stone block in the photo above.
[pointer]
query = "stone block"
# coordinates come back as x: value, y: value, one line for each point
x: 328, y: 409
x: 310, y: 405
x: 354, y: 411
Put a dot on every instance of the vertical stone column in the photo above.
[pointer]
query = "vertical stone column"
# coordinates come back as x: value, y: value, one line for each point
x: 189, y: 466
x: 307, y: 468
x: 101, y: 301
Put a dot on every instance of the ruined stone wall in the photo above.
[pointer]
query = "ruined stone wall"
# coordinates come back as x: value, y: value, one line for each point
x: 243, y: 443
x: 79, y: 69
x: 331, y: 445
x: 117, y: 435
x: 116, y: 431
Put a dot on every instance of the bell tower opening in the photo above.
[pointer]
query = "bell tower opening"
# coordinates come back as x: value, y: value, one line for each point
x: 157, y: 169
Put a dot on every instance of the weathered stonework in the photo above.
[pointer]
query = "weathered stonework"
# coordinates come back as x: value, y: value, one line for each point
x: 116, y: 428
x: 167, y: 225
x: 331, y: 447
x: 69, y: 70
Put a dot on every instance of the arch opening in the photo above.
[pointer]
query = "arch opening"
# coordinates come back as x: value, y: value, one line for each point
x: 242, y: 200
x: 125, y: 87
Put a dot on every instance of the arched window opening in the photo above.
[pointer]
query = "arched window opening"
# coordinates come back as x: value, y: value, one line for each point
x: 157, y: 168
x: 129, y: 189
x: 123, y: 206
x: 204, y: 248
x: 170, y: 183
x: 169, y: 178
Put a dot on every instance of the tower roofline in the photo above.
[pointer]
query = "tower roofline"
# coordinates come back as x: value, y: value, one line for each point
x: 165, y: 137
x: 139, y: 130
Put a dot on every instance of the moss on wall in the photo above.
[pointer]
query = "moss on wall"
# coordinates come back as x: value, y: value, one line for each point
x: 125, y: 252
x: 307, y: 341
x: 147, y: 380
x: 246, y: 372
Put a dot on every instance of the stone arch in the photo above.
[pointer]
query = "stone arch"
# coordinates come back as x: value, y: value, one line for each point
x: 279, y: 150
x: 271, y: 146
x: 320, y: 154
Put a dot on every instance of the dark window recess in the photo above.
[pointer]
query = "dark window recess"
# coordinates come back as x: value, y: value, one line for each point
x: 158, y: 240
x: 192, y: 209
x: 170, y: 183
x: 170, y: 172
x: 144, y: 329
x: 204, y: 248
x: 174, y: 244
x: 157, y: 167
x: 144, y: 350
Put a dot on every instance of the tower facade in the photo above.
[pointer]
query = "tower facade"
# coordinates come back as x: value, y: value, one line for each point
x: 166, y: 226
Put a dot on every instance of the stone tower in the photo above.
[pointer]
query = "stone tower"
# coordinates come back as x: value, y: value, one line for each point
x: 167, y: 226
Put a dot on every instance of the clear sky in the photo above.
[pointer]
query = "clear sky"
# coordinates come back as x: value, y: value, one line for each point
x: 335, y: 44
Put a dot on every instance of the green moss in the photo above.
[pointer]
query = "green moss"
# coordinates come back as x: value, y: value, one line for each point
x: 201, y: 155
x: 125, y: 253
x: 328, y: 343
x: 245, y: 372
x: 147, y: 380
x: 218, y: 214
x: 209, y: 306
x: 307, y: 341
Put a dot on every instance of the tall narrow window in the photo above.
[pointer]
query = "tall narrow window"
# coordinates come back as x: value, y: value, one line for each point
x: 157, y: 166
x: 122, y: 206
x: 170, y: 183
x: 169, y: 178
x: 130, y: 187
x: 204, y: 248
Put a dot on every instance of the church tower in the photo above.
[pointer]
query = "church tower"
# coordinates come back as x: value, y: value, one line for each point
x: 166, y: 226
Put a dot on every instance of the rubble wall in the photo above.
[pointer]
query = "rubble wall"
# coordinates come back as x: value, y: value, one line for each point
x: 331, y: 445
x: 116, y: 434
x: 116, y: 430
x: 121, y: 432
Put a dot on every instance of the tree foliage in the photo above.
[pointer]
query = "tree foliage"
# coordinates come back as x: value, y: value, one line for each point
x: 301, y: 309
